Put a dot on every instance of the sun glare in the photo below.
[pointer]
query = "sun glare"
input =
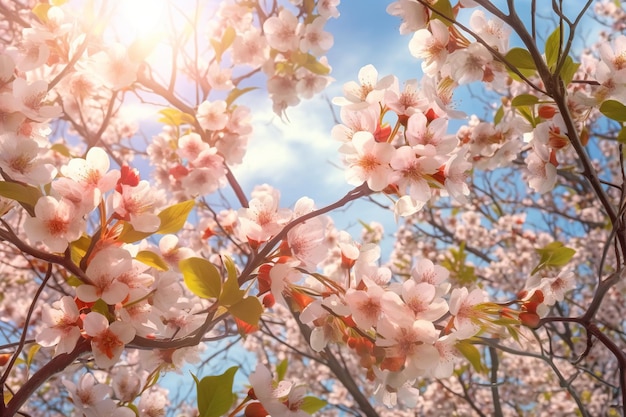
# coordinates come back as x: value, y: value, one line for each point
x: 142, y: 17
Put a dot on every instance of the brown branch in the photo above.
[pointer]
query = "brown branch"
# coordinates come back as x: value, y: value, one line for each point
x: 56, y: 365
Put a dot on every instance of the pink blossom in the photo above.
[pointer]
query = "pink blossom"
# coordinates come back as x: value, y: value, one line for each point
x: 315, y: 39
x: 328, y: 8
x: 468, y: 65
x: 250, y: 48
x: 55, y: 224
x: 368, y: 161
x: 282, y: 31
x: 107, y: 340
x: 136, y: 205
x: 212, y: 115
x: 411, y: 340
x: 414, y: 15
x: 462, y: 302
x: 406, y: 102
x: 89, y: 396
x: 431, y: 46
x: 492, y: 31
x: 280, y: 399
x: 190, y: 146
x: 370, y: 89
x: 20, y: 159
x: 541, y: 171
x: 31, y: 99
x: 62, y: 325
x: 92, y: 176
x: 103, y: 271
x: 365, y: 306
x: 114, y: 67
x: 263, y: 218
x: 412, y: 171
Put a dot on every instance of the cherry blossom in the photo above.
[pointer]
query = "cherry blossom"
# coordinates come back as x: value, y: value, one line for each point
x: 368, y: 161
x: 22, y: 161
x: 103, y: 271
x: 136, y: 205
x: 282, y: 31
x: 114, y: 67
x: 64, y: 326
x: 212, y: 115
x: 315, y: 39
x: 55, y: 224
x: 107, y: 340
x: 371, y: 89
x: 280, y: 399
x: 431, y: 45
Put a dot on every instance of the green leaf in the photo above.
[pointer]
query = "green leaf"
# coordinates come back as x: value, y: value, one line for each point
x: 41, y: 11
x: 231, y: 293
x: 215, y: 393
x: 553, y: 254
x: 236, y: 93
x: 173, y: 218
x: 472, y: 354
x: 524, y: 100
x: 569, y: 69
x: 443, y: 12
x: 103, y: 308
x: 521, y: 59
x: 25, y: 194
x: 152, y: 259
x: 312, y: 405
x: 231, y: 269
x: 281, y: 369
x: 31, y: 354
x: 228, y: 37
x: 174, y: 117
x: 60, y: 148
x: 613, y: 109
x: 79, y: 248
x: 249, y: 309
x: 130, y: 235
x: 553, y: 47
x: 456, y: 262
x: 312, y: 64
x: 621, y: 136
x: 201, y: 277
x: 497, y: 118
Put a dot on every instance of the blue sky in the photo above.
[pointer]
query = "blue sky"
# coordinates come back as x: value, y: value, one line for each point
x: 299, y: 156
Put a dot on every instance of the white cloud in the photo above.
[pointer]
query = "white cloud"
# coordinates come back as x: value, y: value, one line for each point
x: 295, y: 155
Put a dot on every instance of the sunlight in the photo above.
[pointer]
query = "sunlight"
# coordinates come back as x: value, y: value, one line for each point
x: 143, y: 17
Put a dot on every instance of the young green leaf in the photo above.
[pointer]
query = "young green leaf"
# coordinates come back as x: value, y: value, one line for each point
x: 248, y: 309
x: 443, y: 11
x: 25, y: 194
x: 521, y: 59
x: 524, y: 100
x: 312, y: 405
x: 553, y: 254
x: 201, y: 277
x: 613, y: 109
x: 235, y: 93
x: 472, y: 354
x: 281, y: 369
x: 173, y: 218
x: 215, y: 393
x: 312, y: 64
x: 152, y: 259
x: 553, y: 46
